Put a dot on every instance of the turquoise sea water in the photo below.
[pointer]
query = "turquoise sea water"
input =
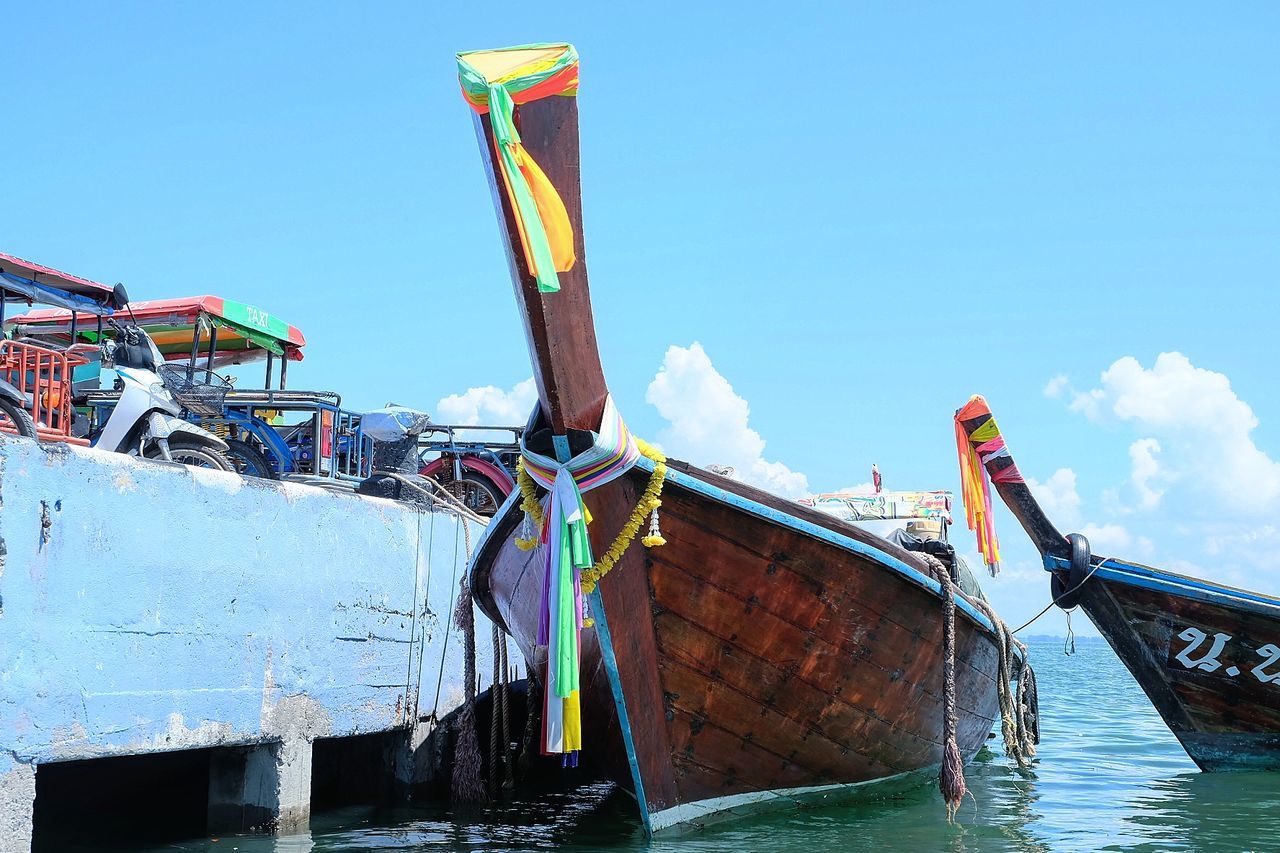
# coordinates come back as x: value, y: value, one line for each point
x: 1109, y: 776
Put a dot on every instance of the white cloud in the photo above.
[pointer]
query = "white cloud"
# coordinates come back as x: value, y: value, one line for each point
x: 1087, y: 403
x: 1110, y: 540
x: 1198, y: 426
x: 489, y: 405
x: 709, y: 422
x: 1058, y: 496
x: 1198, y: 485
x: 1054, y: 387
x: 1146, y: 468
x: 860, y: 489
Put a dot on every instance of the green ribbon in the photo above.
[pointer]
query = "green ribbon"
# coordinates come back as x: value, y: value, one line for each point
x: 501, y: 116
x: 575, y: 553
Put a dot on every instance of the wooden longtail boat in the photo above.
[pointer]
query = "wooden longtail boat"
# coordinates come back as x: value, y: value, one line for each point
x: 1207, y: 655
x: 767, y: 652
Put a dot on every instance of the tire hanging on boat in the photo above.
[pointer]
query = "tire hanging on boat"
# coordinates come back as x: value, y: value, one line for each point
x: 1067, y: 594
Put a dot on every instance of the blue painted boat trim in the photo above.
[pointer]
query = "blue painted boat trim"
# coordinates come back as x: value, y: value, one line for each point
x: 815, y: 531
x: 620, y: 703
x: 610, y: 660
x: 1146, y: 577
x: 505, y: 508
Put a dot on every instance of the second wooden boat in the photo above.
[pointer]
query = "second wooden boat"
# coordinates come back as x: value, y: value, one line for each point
x: 1206, y: 655
x: 767, y: 652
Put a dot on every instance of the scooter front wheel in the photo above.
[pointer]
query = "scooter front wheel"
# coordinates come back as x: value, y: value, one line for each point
x: 14, y: 418
x: 194, y: 453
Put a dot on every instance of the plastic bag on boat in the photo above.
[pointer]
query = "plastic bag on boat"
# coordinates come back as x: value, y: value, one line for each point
x: 394, y: 423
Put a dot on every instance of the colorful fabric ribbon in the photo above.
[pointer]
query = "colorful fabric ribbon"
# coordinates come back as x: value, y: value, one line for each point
x: 976, y: 449
x: 493, y: 82
x: 568, y: 552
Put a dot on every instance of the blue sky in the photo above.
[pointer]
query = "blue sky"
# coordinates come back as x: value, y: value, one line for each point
x: 863, y: 213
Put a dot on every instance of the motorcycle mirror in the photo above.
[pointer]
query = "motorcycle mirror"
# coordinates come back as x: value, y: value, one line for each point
x: 119, y: 297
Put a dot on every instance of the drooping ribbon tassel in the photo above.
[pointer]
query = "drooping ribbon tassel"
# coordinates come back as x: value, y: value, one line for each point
x: 546, y: 233
x: 493, y: 82
x: 976, y: 450
x: 655, y: 537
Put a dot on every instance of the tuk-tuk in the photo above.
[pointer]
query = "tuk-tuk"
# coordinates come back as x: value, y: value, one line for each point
x: 37, y: 379
x: 273, y: 432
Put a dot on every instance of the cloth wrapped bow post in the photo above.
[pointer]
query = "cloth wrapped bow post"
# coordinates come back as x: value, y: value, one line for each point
x: 975, y: 450
x: 567, y: 551
x: 494, y: 82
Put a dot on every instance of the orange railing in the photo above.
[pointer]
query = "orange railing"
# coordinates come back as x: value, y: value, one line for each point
x: 43, y: 376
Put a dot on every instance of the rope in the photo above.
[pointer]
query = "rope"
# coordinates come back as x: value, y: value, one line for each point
x: 494, y: 712
x: 442, y: 495
x: 504, y: 694
x: 531, y: 725
x: 951, y: 775
x: 1018, y: 721
x: 1064, y: 594
x: 1019, y: 711
x: 467, y: 763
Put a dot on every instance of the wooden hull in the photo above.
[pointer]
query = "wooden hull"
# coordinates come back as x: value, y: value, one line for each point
x: 1208, y: 657
x: 766, y: 653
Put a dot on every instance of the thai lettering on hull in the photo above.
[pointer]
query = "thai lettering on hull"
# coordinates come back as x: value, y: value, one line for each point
x: 1196, y: 655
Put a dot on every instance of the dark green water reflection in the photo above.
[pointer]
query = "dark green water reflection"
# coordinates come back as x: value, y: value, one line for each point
x: 1109, y: 776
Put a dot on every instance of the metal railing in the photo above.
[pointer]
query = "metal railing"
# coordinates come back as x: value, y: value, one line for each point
x: 43, y: 376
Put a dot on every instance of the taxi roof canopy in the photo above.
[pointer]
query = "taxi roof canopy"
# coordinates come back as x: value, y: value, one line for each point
x: 245, y: 332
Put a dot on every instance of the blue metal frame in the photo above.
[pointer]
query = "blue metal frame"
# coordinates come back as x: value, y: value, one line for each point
x: 277, y: 448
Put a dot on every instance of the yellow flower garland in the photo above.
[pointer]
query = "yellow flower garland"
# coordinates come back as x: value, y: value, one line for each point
x: 649, y: 501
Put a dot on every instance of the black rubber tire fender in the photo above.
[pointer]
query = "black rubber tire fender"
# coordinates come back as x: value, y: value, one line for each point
x: 1067, y: 590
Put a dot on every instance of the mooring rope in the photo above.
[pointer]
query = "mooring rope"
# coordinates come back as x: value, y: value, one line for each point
x: 951, y: 775
x: 532, y: 709
x: 504, y: 696
x: 494, y: 713
x: 1019, y: 711
x: 468, y: 786
x: 1064, y: 594
x: 442, y: 494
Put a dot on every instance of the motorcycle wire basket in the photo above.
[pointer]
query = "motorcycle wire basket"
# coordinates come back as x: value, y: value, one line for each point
x: 201, y: 392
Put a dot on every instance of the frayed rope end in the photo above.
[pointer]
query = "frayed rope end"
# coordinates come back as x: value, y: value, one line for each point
x: 951, y: 780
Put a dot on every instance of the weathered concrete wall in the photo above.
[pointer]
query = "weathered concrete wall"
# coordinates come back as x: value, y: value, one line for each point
x: 149, y: 607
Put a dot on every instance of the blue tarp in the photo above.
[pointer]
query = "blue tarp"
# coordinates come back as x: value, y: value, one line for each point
x: 54, y: 296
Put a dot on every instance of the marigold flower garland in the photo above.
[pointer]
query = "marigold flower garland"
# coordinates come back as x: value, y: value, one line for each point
x: 647, y: 505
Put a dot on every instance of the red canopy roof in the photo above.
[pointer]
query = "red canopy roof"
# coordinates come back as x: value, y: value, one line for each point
x: 53, y: 278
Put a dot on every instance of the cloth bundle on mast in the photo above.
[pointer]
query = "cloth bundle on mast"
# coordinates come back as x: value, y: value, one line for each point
x: 567, y: 554
x: 974, y: 450
x: 493, y: 82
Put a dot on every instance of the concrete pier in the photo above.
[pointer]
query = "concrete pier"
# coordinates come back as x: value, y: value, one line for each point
x: 265, y: 788
x: 147, y: 608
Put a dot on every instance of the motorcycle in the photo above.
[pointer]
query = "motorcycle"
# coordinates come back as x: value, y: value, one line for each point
x: 146, y: 420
